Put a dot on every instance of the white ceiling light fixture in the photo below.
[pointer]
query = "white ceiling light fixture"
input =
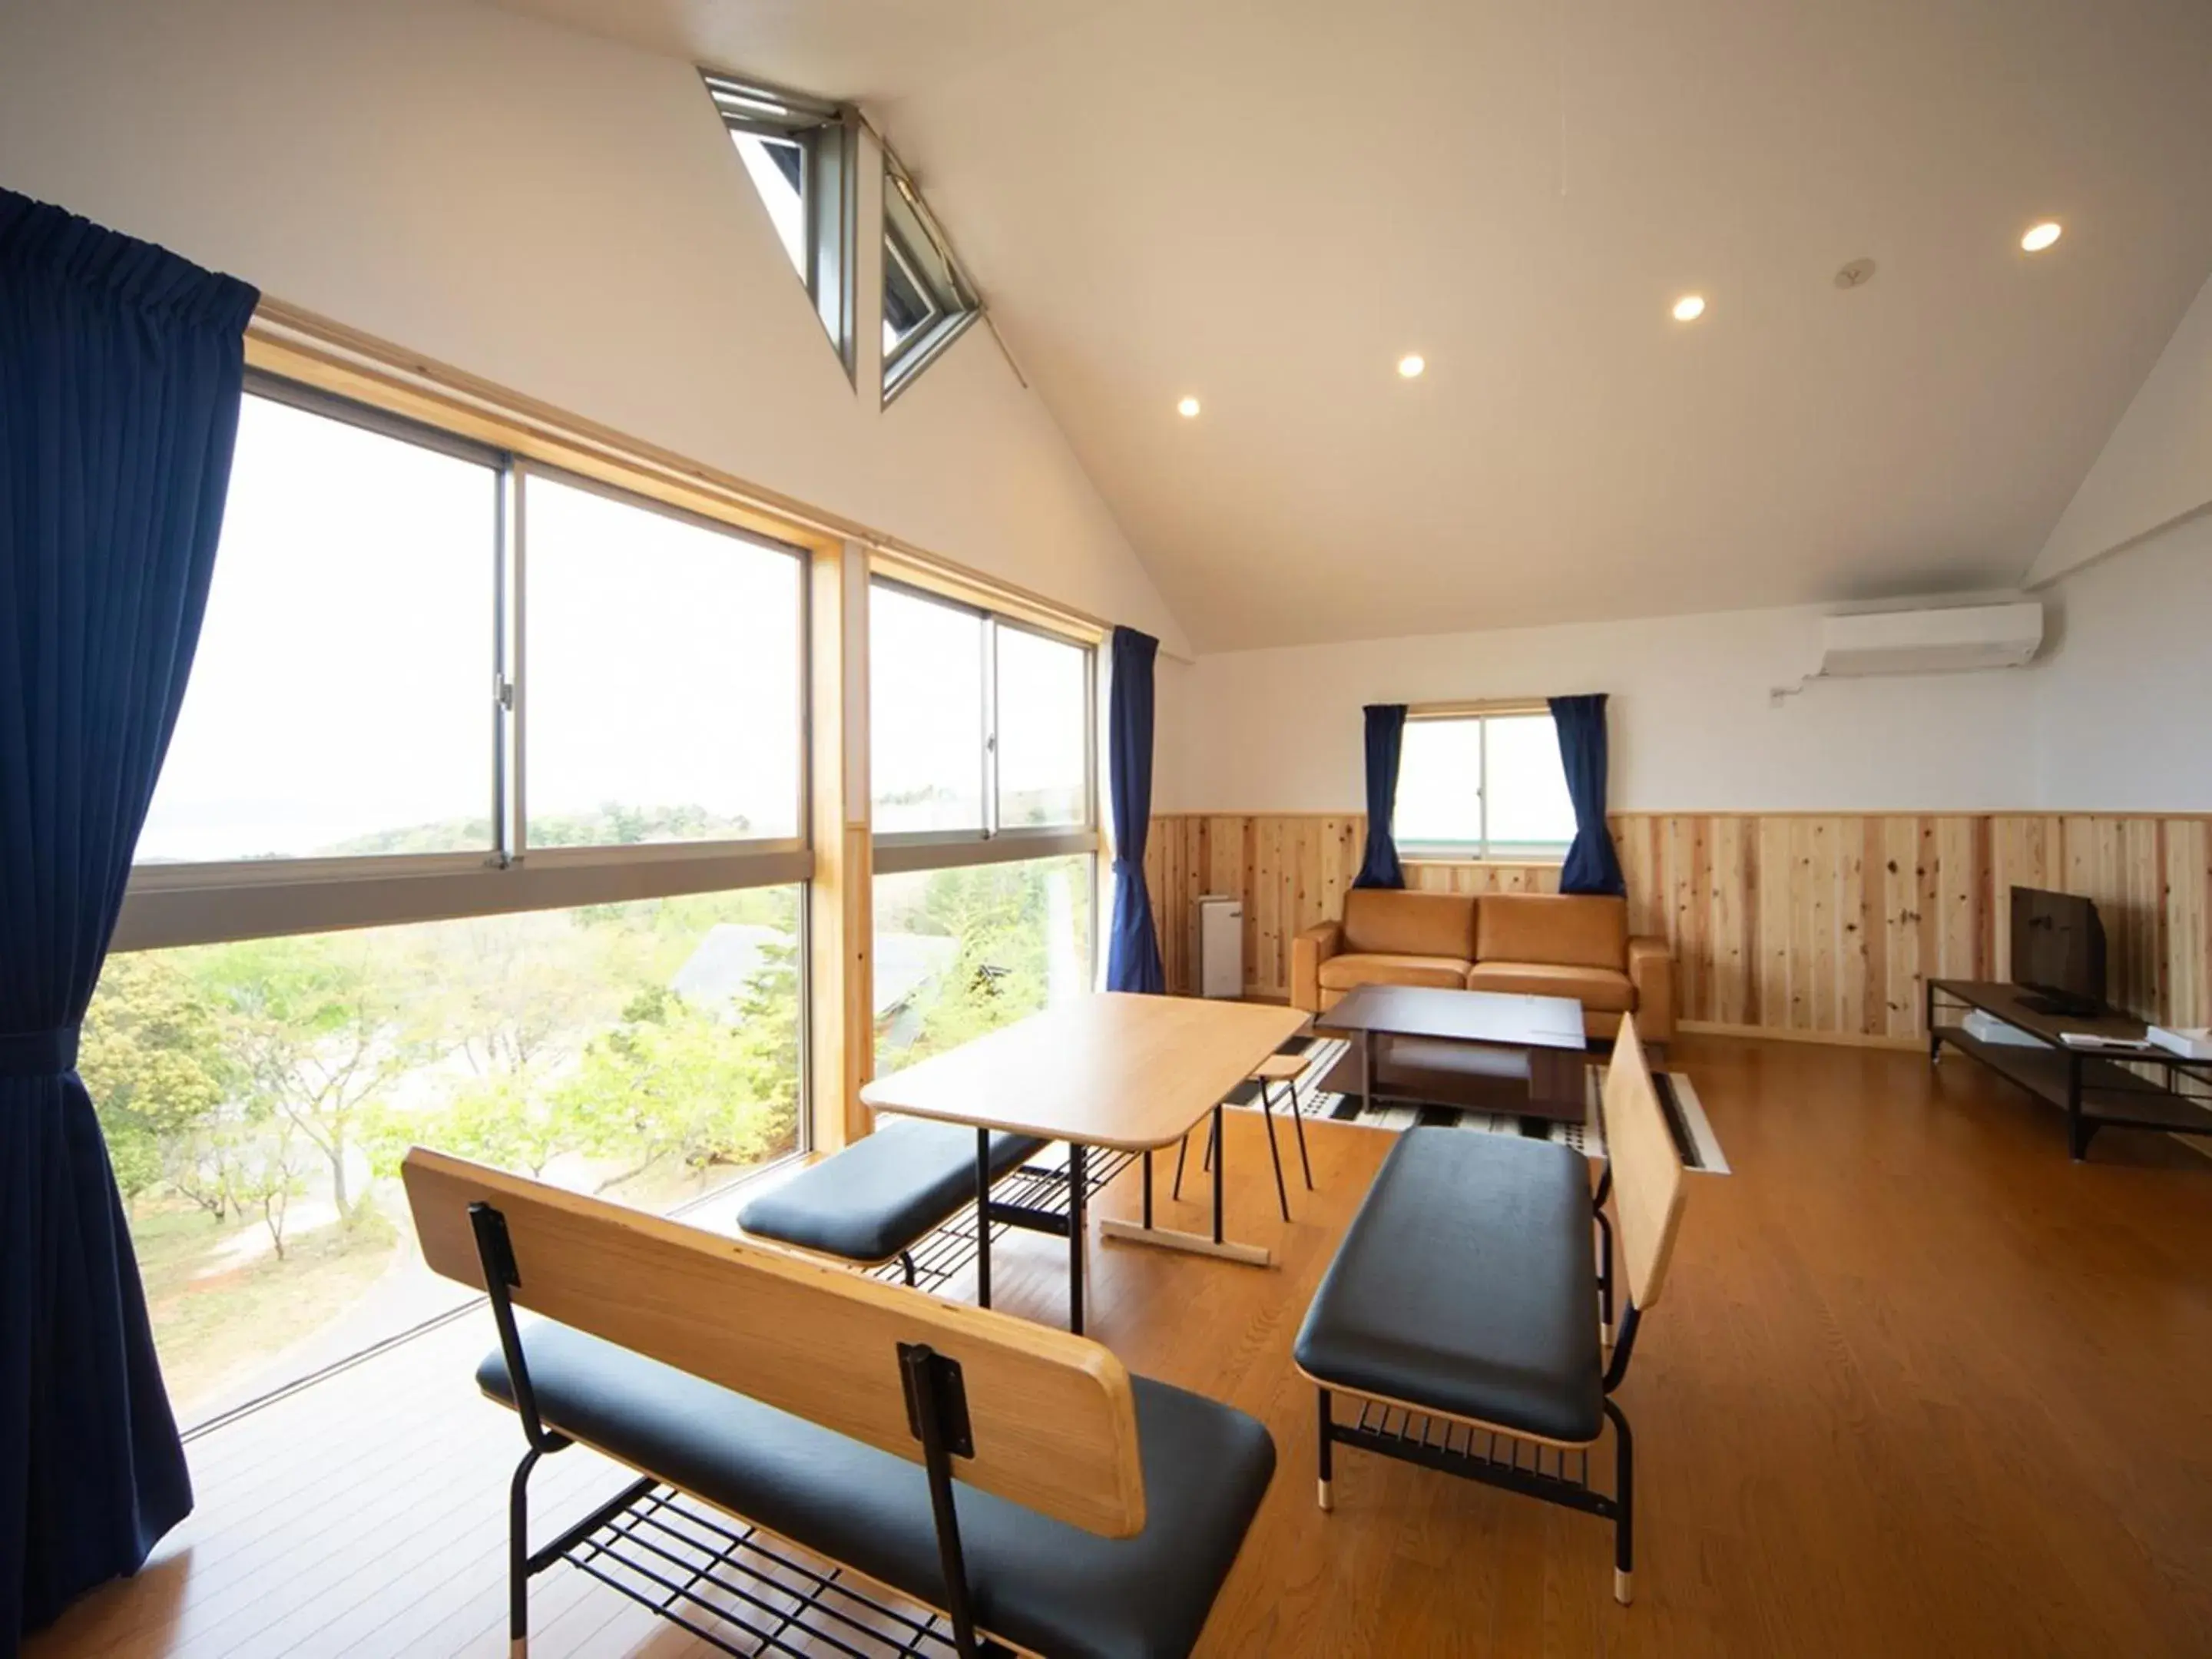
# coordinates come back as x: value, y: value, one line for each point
x: 1411, y: 365
x: 1689, y: 307
x: 1187, y: 409
x: 2041, y: 236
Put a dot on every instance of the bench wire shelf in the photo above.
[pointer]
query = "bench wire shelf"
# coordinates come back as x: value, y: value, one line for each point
x: 1039, y: 1190
x: 740, y: 1590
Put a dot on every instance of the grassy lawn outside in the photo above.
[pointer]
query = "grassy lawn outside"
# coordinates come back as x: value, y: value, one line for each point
x: 213, y: 1331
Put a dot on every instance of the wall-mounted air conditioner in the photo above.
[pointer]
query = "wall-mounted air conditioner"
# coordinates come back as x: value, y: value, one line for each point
x: 1937, y: 641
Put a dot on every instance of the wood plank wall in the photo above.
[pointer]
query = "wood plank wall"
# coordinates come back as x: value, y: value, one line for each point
x: 1812, y: 925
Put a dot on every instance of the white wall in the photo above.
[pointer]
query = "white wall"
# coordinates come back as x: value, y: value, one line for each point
x: 2123, y: 703
x: 2116, y: 715
x: 1693, y: 726
x: 559, y: 213
x: 2156, y: 467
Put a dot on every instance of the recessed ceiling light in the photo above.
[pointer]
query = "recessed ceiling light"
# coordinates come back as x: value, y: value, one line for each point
x: 2042, y: 236
x: 1689, y: 307
x: 1411, y: 365
x: 1187, y: 409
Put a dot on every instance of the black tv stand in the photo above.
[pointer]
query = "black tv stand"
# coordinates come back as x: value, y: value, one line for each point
x: 2154, y: 1091
x: 2063, y: 1006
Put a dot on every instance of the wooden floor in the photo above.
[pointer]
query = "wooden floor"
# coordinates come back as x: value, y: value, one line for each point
x: 1920, y: 1386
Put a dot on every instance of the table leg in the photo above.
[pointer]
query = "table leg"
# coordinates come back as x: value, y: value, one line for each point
x: 1168, y: 1238
x: 1148, y: 1189
x: 1366, y: 1070
x: 1077, y: 1182
x: 1220, y: 1162
x: 2077, y: 1132
x: 983, y: 1218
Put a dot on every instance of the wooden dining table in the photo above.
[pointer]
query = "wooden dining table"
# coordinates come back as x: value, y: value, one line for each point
x: 1110, y: 1071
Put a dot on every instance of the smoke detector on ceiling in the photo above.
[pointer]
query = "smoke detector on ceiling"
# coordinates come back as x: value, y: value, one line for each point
x: 1857, y: 274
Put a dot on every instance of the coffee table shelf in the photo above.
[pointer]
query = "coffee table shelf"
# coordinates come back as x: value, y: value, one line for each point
x: 1483, y: 1049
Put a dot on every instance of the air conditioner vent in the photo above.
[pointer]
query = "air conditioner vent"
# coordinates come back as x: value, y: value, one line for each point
x: 1939, y: 642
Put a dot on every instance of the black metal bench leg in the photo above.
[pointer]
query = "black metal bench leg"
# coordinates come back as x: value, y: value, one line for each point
x: 1267, y: 1115
x: 1624, y: 1520
x: 1327, y: 1462
x: 518, y: 1556
x: 983, y: 1218
x: 1298, y: 1122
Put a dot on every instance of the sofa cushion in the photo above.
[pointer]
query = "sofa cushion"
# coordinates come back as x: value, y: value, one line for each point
x: 1468, y: 1284
x: 1388, y: 921
x: 1370, y: 968
x: 1604, y: 990
x: 1051, y: 1587
x: 1585, y: 930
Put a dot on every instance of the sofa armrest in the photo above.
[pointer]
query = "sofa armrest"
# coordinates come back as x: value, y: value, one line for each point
x: 1651, y: 971
x: 1307, y: 952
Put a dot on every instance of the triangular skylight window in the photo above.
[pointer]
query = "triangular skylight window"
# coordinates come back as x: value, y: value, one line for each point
x: 927, y: 302
x: 801, y: 155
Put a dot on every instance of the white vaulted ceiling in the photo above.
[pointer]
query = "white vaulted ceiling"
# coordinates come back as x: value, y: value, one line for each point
x: 1265, y: 203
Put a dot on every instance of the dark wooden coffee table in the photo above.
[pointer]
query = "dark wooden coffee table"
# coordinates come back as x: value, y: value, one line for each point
x: 1480, y: 1049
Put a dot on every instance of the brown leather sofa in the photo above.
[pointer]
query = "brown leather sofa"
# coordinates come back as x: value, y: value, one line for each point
x: 1535, y: 944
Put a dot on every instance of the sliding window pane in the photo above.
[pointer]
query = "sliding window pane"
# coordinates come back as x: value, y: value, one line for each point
x: 1440, y: 785
x: 926, y: 713
x: 961, y: 952
x: 1043, y: 730
x: 662, y: 676
x: 257, y: 1098
x: 340, y: 701
x: 1529, y: 808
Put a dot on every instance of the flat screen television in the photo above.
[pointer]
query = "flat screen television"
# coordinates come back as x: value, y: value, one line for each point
x: 2059, y: 951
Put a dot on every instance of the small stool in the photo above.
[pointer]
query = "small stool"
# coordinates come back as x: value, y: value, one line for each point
x: 1285, y: 1069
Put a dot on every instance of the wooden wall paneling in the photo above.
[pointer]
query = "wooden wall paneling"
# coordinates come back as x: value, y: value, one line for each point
x: 1809, y: 924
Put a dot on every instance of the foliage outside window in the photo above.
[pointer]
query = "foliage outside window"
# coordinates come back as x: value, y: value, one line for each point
x: 257, y: 1098
x: 480, y: 830
x: 1489, y: 786
x: 986, y: 819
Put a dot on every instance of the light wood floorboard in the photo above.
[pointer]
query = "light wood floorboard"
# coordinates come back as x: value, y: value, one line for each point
x: 1919, y: 1386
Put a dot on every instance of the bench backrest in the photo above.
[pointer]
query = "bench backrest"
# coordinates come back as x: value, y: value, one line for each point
x: 1647, y: 1169
x: 1052, y: 1415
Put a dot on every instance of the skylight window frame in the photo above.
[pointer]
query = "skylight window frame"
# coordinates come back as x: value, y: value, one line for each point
x: 828, y: 139
x: 912, y: 236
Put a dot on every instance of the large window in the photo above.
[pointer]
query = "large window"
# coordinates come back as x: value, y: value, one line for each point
x: 1488, y: 785
x: 257, y: 1096
x: 800, y: 155
x: 986, y: 820
x: 482, y: 828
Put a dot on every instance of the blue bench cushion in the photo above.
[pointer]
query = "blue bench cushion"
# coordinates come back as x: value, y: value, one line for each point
x: 1468, y: 1284
x: 1052, y: 1588
x: 881, y: 1193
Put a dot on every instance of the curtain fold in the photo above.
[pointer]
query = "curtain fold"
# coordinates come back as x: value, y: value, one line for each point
x: 1386, y: 739
x: 1592, y: 866
x: 121, y: 369
x: 1133, y: 953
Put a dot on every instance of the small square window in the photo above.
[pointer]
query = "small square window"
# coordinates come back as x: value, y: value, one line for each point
x: 1483, y: 786
x: 801, y: 155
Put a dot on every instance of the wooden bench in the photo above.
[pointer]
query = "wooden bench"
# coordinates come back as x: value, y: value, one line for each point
x: 872, y: 1202
x: 1016, y: 1480
x: 1463, y: 1307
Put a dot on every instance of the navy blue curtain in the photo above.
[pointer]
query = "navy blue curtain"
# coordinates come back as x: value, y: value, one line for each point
x: 1133, y: 951
x: 121, y: 374
x: 1386, y: 737
x: 1592, y: 866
